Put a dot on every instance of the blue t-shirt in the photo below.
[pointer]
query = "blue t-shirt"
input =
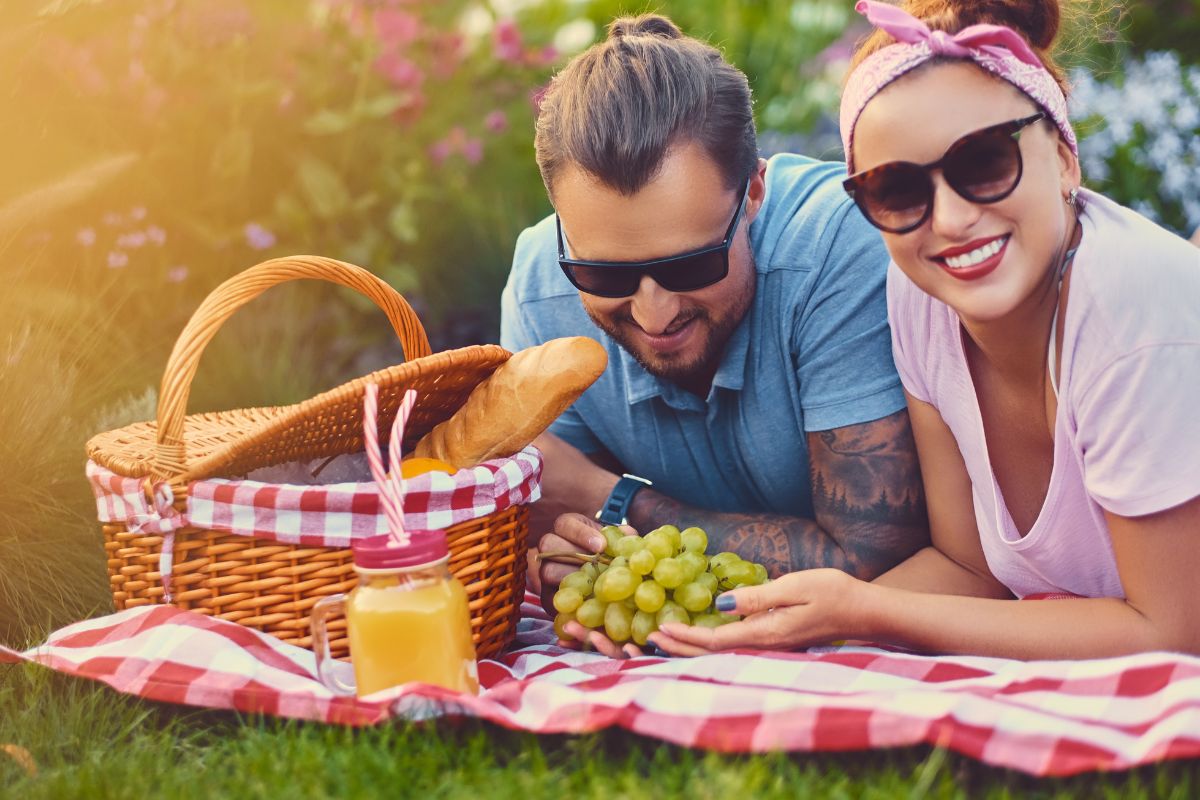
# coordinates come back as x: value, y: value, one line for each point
x: 813, y: 353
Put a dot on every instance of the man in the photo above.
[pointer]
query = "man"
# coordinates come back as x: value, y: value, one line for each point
x: 741, y: 302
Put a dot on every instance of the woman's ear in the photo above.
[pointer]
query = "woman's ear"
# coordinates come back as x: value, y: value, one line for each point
x: 1070, y: 175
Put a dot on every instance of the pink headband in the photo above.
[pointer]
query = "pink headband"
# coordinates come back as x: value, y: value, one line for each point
x: 1000, y: 50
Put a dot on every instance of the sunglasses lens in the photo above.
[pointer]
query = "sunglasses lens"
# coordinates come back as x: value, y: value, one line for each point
x: 605, y: 281
x: 894, y: 197
x: 693, y: 272
x: 984, y: 168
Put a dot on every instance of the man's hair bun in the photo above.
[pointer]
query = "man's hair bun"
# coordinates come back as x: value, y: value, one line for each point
x: 643, y: 25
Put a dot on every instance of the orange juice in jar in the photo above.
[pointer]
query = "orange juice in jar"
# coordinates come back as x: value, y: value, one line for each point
x: 407, y: 619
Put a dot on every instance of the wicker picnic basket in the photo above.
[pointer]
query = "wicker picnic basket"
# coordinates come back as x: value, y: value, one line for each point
x: 262, y: 583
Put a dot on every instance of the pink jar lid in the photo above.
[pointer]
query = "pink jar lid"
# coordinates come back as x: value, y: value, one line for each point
x: 382, y: 552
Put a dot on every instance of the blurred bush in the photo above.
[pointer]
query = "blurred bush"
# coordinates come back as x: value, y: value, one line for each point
x: 1142, y: 146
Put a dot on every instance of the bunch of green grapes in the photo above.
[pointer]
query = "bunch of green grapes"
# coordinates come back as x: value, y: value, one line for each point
x: 647, y: 581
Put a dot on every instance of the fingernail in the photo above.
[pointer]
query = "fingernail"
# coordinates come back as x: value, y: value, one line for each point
x: 726, y: 602
x: 598, y: 543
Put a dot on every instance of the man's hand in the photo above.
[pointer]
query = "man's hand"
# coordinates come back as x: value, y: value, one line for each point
x: 573, y: 533
x: 598, y: 640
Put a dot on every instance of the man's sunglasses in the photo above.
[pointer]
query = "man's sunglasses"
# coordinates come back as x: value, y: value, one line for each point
x: 685, y: 272
x: 982, y: 167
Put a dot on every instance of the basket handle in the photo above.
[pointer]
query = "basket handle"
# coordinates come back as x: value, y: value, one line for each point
x: 170, y: 456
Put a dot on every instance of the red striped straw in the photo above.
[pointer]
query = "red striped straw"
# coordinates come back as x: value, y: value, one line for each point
x: 391, y: 487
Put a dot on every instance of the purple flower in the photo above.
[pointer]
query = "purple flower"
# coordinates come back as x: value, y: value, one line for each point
x: 258, y: 237
x: 86, y: 236
x: 496, y: 121
x: 117, y: 259
x: 177, y: 274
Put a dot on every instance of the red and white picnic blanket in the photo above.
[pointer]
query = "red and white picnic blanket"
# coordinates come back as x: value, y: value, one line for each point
x: 1042, y: 717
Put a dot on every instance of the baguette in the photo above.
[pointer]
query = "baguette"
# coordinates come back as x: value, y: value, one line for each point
x: 516, y: 403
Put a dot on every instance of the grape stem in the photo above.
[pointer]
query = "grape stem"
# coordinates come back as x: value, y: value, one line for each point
x: 571, y: 557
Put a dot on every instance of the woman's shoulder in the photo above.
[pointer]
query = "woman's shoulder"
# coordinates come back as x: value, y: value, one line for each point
x: 1138, y: 282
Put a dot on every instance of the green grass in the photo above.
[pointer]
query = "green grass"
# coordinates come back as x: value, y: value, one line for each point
x: 89, y: 741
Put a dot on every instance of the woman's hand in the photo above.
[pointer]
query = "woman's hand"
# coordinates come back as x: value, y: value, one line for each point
x: 815, y: 606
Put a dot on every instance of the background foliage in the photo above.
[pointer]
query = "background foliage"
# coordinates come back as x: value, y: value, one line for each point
x: 153, y: 148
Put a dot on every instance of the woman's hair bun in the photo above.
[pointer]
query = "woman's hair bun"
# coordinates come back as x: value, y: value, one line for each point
x: 644, y: 25
x: 1037, y: 20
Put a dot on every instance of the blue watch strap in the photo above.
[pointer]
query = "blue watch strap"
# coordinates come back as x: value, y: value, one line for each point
x: 615, y: 510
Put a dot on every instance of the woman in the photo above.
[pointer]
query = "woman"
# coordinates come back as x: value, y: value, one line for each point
x: 1049, y: 343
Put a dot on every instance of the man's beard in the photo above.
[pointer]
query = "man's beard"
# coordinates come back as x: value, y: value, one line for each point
x: 677, y: 367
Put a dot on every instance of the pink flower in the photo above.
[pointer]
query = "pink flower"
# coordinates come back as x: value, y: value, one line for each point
x: 472, y: 151
x: 153, y: 100
x: 496, y: 121
x: 396, y: 28
x: 137, y: 213
x: 117, y: 259
x: 439, y: 152
x: 137, y: 71
x: 86, y: 236
x: 542, y: 57
x: 156, y: 235
x: 400, y: 72
x: 413, y: 103
x: 506, y: 41
x: 132, y: 241
x: 177, y: 274
x: 447, y: 50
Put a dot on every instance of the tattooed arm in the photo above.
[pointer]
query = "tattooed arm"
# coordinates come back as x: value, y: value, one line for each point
x: 869, y: 508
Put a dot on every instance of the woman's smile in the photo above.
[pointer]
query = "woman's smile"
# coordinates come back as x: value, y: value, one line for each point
x: 975, y: 259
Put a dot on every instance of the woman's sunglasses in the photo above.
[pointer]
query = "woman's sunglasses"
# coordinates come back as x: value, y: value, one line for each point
x: 982, y: 167
x: 685, y: 272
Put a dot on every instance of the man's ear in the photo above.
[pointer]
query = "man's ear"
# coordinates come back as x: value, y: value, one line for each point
x: 757, y: 191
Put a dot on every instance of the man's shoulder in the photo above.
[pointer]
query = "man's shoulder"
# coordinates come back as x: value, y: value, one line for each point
x: 807, y: 216
x: 535, y: 273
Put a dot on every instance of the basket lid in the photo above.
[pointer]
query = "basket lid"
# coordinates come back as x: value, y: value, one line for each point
x: 384, y: 552
x: 229, y: 443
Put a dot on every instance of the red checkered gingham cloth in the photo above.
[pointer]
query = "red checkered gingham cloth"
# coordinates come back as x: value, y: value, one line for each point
x: 1042, y: 717
x: 328, y: 515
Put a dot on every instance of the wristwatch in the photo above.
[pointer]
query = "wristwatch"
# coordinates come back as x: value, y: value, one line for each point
x: 615, y: 510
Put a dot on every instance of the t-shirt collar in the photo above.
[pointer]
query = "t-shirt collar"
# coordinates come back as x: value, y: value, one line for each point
x: 640, y: 385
